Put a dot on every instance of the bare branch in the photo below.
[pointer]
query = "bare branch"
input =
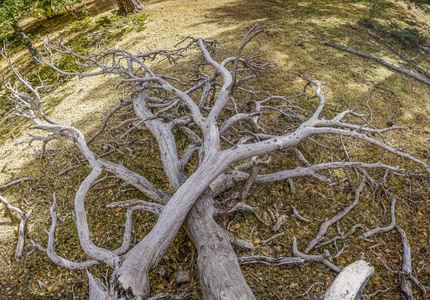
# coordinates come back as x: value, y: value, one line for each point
x: 217, y: 116
x: 323, y: 258
x: 392, y: 48
x: 21, y: 229
x: 298, y: 216
x: 383, y: 229
x: 16, y: 181
x: 50, y: 249
x: 323, y: 228
x: 250, y: 181
x: 257, y: 259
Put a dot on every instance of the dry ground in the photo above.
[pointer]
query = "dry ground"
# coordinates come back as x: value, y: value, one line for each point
x: 399, y: 99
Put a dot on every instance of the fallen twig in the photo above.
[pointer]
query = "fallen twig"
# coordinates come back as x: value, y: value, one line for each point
x: 316, y: 258
x: 298, y: 216
x: 265, y: 242
x: 340, y: 237
x: 327, y: 224
x: 241, y: 243
x: 15, y: 182
x: 376, y: 230
x: 310, y: 288
x: 406, y: 285
x: 258, y: 259
x: 250, y: 181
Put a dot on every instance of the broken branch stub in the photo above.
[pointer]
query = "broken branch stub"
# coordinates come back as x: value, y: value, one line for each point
x: 221, y: 132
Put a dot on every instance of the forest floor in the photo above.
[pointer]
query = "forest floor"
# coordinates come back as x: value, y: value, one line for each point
x: 294, y: 30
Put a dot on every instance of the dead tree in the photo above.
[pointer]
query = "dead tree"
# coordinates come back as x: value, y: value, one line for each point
x: 227, y: 123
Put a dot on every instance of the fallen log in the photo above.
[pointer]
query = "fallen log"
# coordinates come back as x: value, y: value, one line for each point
x: 392, y: 48
x: 379, y: 60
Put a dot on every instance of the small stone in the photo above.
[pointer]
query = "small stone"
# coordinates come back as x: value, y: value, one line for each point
x: 182, y: 276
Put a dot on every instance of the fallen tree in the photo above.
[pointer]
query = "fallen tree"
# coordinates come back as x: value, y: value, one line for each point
x: 229, y: 133
x: 388, y: 64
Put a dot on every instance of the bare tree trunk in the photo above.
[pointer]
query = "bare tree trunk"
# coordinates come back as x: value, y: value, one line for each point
x: 26, y: 42
x: 219, y: 271
x: 129, y: 7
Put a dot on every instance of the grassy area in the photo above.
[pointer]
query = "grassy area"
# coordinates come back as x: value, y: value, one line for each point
x: 292, y: 41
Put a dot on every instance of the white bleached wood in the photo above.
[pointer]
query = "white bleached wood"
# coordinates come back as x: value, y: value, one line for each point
x: 50, y: 249
x: 350, y: 283
x: 98, y: 290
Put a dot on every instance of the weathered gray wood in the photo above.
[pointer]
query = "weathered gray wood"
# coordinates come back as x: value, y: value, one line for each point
x: 219, y: 270
x: 215, y: 254
x: 406, y: 284
x: 280, y: 261
x: 98, y: 290
x: 392, y: 48
x: 350, y: 283
x: 379, y: 60
x: 21, y: 229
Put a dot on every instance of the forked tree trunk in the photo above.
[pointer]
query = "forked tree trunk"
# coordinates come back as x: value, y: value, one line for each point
x: 129, y: 7
x: 219, y: 271
x: 26, y: 42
